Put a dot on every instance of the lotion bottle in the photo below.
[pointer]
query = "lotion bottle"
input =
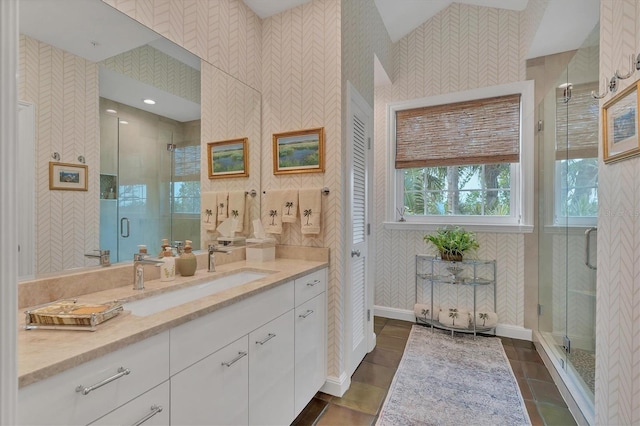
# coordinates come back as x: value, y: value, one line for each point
x: 188, y: 262
x: 168, y: 267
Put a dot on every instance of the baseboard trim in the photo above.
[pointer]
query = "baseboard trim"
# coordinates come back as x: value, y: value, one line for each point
x: 336, y: 386
x: 503, y: 330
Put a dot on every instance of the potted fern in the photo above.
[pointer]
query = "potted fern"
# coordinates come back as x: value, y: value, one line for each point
x: 452, y: 242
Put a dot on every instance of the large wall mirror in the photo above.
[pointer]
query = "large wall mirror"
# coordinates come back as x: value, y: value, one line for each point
x: 86, y: 70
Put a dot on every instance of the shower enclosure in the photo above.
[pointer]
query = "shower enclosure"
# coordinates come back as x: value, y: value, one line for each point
x: 567, y: 218
x: 149, y: 180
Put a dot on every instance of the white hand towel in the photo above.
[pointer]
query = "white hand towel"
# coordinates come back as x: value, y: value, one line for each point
x: 209, y: 211
x: 274, y: 201
x: 423, y: 311
x: 290, y: 206
x: 486, y: 319
x: 222, y: 198
x: 236, y: 208
x: 454, y: 318
x: 310, y: 210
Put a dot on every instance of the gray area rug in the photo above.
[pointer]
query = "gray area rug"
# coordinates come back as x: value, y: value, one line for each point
x: 445, y: 380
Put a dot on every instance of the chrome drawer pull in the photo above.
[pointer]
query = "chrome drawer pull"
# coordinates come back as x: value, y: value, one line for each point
x: 306, y: 314
x: 85, y: 391
x: 312, y: 283
x: 236, y: 359
x: 266, y: 339
x: 155, y: 409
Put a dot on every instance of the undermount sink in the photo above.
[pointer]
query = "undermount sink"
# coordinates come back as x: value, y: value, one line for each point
x: 160, y: 302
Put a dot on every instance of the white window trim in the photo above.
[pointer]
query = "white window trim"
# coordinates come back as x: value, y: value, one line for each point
x: 522, y: 182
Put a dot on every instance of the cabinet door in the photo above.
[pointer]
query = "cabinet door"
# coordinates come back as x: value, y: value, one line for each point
x: 271, y: 367
x: 310, y: 350
x: 149, y: 409
x: 213, y: 391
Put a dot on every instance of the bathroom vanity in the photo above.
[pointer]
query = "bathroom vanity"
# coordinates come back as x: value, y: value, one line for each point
x: 251, y: 354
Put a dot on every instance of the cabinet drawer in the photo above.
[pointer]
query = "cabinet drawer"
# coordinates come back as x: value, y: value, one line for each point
x: 150, y: 409
x: 194, y: 340
x: 55, y: 401
x: 310, y: 285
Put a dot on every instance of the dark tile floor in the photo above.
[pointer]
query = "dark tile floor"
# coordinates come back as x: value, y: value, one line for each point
x: 361, y: 404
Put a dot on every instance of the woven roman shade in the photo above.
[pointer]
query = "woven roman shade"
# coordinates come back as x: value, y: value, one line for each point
x: 581, y: 114
x: 480, y: 131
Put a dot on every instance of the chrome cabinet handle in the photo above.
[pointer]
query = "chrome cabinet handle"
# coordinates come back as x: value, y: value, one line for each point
x: 355, y: 253
x: 587, y: 250
x: 266, y: 339
x: 312, y: 283
x: 122, y: 221
x: 85, y: 390
x: 236, y: 359
x: 306, y: 314
x: 155, y: 409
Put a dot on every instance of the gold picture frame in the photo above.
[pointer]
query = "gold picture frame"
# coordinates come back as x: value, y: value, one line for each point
x: 68, y: 177
x: 620, y: 125
x: 300, y: 151
x: 228, y: 159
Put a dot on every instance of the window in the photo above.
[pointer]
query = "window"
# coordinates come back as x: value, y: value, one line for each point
x: 185, y: 194
x: 576, y: 162
x: 134, y: 197
x: 464, y: 158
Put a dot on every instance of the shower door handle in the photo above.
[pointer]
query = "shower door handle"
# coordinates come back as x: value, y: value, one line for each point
x: 587, y: 254
x: 122, y: 222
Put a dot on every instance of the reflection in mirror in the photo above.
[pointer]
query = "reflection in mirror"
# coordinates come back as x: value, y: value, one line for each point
x: 144, y: 176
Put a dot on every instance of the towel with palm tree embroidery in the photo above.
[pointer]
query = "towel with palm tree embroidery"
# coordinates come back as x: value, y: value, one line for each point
x: 236, y: 208
x: 290, y: 206
x: 272, y: 223
x: 310, y: 210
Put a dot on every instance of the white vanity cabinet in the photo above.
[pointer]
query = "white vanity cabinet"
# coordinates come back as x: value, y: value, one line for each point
x: 215, y: 390
x: 82, y: 394
x: 271, y: 372
x: 310, y: 337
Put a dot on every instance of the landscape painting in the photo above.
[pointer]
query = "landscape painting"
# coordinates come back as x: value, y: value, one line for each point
x: 300, y: 151
x: 228, y: 158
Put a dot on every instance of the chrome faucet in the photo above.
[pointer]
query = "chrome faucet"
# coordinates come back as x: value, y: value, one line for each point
x: 179, y: 245
x: 103, y: 255
x: 213, y: 249
x: 139, y: 260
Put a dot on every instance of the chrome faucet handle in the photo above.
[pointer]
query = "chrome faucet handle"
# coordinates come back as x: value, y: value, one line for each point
x: 103, y: 255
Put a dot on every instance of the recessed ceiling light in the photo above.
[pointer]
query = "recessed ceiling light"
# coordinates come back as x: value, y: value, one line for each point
x: 124, y: 122
x: 149, y: 101
x: 111, y: 111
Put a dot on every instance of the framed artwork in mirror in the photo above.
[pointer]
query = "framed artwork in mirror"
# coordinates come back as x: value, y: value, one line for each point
x: 228, y: 159
x: 620, y: 125
x: 68, y: 177
x: 301, y: 151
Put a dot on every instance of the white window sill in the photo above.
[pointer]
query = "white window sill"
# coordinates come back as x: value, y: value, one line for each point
x: 498, y: 229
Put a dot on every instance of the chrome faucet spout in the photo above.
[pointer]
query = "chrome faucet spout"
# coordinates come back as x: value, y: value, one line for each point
x: 139, y: 260
x: 212, y: 249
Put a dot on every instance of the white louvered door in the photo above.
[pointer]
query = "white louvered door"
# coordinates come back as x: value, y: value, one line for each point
x: 358, y: 298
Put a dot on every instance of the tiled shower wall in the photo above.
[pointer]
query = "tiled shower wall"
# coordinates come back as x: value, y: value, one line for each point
x: 618, y: 295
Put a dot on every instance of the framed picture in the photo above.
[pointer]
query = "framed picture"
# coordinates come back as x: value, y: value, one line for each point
x: 620, y: 125
x: 301, y: 151
x: 68, y: 177
x: 228, y: 159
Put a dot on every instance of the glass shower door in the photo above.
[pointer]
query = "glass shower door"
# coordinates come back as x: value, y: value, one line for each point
x: 568, y: 204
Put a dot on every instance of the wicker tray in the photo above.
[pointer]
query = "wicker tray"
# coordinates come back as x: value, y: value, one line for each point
x: 68, y: 314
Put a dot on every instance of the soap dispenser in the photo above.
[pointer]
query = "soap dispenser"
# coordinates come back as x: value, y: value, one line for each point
x: 187, y: 261
x: 164, y: 245
x: 168, y: 267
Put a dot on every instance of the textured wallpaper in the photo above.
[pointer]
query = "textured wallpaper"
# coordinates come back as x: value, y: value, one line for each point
x: 462, y: 48
x: 64, y: 89
x: 618, y: 297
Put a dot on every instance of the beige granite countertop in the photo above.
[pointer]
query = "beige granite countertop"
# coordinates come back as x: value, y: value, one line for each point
x: 44, y: 353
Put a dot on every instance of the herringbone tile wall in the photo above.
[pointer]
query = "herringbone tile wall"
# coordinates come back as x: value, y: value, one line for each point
x: 64, y: 89
x: 462, y: 48
x: 618, y: 297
